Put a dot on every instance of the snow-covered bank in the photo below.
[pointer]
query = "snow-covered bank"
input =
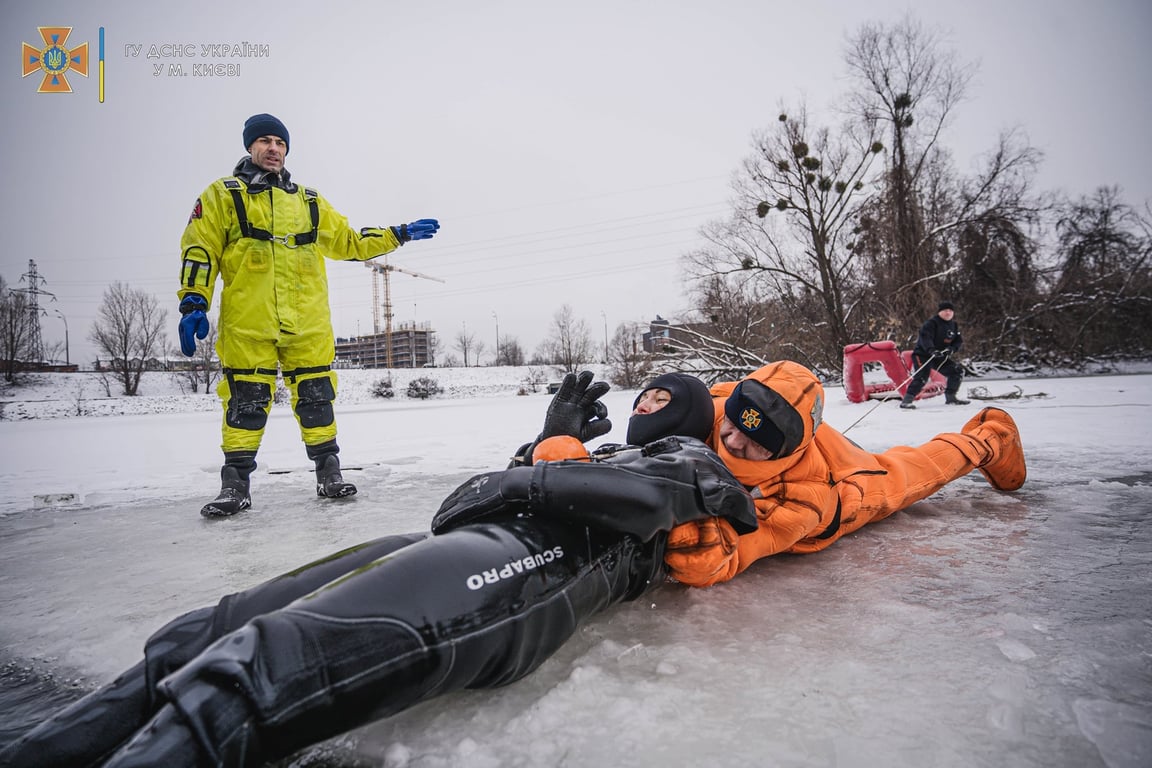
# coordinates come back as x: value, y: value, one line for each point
x: 66, y: 395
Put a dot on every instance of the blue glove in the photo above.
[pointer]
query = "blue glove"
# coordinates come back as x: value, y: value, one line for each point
x: 193, y: 323
x: 421, y: 229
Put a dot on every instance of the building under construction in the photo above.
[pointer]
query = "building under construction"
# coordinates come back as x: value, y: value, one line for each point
x: 407, y: 346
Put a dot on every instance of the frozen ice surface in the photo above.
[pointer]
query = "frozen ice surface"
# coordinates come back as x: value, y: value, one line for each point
x: 973, y: 629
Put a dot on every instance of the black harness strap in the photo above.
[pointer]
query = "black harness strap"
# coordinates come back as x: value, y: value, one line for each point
x: 256, y: 233
x: 296, y: 373
x: 249, y: 371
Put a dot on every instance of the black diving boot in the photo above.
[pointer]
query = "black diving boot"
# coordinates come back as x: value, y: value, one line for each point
x: 329, y: 482
x: 951, y: 399
x: 234, y: 495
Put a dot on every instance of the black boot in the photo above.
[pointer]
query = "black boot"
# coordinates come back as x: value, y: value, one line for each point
x: 329, y: 482
x: 951, y: 399
x: 234, y: 495
x: 907, y: 403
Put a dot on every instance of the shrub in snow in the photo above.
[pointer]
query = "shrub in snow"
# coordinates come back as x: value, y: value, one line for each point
x: 382, y: 388
x: 535, y: 379
x: 424, y: 387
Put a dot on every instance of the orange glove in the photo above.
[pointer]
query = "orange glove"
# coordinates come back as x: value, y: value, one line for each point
x: 702, y: 553
x: 559, y: 448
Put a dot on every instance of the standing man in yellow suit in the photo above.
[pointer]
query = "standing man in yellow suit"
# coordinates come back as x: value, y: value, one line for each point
x: 266, y: 237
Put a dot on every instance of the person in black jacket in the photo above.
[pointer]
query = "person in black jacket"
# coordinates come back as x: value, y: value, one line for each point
x: 515, y: 561
x: 936, y: 348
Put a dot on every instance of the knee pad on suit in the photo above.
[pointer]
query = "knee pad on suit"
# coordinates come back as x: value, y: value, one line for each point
x: 314, y: 402
x: 248, y: 404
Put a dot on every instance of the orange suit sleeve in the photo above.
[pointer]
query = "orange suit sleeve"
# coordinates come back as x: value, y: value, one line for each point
x: 709, y: 552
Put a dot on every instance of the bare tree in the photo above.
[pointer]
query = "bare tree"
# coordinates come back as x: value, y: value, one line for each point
x: 569, y: 344
x: 15, y: 330
x: 470, y: 347
x: 792, y: 231
x: 55, y: 352
x: 909, y: 82
x: 1103, y: 288
x: 129, y: 332
x: 629, y: 366
x: 710, y: 358
x: 510, y: 353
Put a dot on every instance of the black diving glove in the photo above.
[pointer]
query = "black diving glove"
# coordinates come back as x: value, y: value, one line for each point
x: 575, y: 411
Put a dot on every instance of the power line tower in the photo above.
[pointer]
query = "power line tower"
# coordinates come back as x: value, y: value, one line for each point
x: 33, y: 292
x: 386, y: 269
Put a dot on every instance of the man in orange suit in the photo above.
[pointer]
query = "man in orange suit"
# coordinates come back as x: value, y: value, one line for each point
x: 812, y: 485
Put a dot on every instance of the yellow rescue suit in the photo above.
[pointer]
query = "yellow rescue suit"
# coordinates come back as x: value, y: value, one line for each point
x: 827, y: 486
x: 267, y: 238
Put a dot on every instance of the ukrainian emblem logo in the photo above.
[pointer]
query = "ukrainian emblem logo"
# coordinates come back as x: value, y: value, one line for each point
x: 750, y: 418
x: 55, y: 60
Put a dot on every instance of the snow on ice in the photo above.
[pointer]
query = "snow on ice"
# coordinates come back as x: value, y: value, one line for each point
x: 973, y: 629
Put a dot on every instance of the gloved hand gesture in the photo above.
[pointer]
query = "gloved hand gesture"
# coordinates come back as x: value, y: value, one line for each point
x: 421, y: 229
x: 576, y: 409
x: 943, y: 354
x: 194, y: 322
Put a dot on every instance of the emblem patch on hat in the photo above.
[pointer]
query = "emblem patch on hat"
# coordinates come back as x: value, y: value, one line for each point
x: 750, y: 418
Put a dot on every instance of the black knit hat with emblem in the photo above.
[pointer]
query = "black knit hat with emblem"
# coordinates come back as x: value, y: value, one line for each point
x: 264, y: 125
x: 689, y: 413
x: 764, y: 416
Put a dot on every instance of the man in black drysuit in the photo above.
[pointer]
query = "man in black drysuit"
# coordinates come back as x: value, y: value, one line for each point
x: 517, y: 561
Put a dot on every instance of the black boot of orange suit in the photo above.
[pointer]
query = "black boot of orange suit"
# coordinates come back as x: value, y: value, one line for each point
x: 329, y: 482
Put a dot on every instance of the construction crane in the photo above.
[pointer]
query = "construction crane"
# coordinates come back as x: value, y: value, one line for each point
x: 385, y: 269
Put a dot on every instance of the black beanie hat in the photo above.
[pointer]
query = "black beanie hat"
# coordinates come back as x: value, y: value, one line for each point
x: 945, y: 305
x: 689, y: 413
x: 264, y: 125
x: 754, y: 408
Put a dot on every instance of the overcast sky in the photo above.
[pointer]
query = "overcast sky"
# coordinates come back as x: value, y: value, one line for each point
x: 571, y: 150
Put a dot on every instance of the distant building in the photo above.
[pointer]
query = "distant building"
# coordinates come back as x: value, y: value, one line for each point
x: 663, y: 336
x: 411, y: 347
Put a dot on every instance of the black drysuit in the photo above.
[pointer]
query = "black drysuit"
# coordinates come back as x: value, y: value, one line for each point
x: 519, y: 560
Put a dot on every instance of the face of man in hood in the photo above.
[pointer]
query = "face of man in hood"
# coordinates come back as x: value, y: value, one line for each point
x: 741, y: 445
x: 651, y: 400
x: 671, y: 404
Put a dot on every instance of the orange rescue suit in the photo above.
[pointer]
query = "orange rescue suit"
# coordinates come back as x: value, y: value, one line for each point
x: 829, y: 486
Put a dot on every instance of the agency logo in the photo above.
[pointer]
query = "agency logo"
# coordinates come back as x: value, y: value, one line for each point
x: 750, y: 418
x: 55, y: 60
